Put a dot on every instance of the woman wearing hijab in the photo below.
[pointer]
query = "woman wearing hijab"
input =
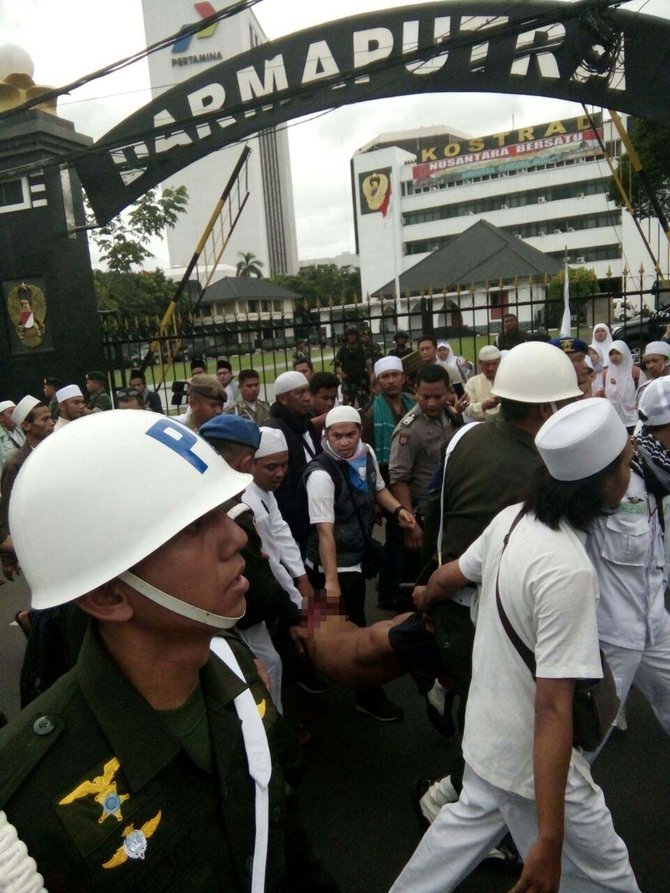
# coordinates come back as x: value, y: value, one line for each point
x: 622, y: 381
x: 457, y: 367
x: 602, y: 335
x: 600, y: 361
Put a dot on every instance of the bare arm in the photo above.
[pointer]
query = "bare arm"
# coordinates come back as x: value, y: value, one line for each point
x: 442, y: 585
x: 552, y: 747
x: 388, y: 501
x: 328, y: 556
x: 414, y: 536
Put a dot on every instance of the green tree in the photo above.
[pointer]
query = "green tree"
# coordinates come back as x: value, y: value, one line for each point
x: 249, y: 265
x: 123, y: 242
x: 320, y: 283
x: 583, y: 285
x: 133, y: 294
x: 650, y: 140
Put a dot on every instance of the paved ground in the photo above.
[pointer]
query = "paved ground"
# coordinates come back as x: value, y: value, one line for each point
x: 357, y: 790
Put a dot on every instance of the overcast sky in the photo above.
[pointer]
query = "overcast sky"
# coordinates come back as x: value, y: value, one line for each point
x: 70, y: 38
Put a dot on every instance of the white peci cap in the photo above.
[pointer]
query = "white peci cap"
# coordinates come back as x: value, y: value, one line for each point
x: 581, y: 439
x: 272, y: 441
x: 23, y: 408
x: 68, y: 392
x: 341, y: 414
x: 659, y: 348
x: 488, y: 353
x: 388, y: 364
x: 290, y: 381
x: 654, y: 407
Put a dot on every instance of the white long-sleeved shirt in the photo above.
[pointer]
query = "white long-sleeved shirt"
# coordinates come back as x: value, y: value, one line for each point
x: 478, y: 389
x: 277, y: 540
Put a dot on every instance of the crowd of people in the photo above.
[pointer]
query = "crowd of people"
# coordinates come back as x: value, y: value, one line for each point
x: 227, y: 552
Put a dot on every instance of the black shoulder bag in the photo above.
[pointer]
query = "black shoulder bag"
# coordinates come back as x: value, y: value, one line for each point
x: 595, y: 703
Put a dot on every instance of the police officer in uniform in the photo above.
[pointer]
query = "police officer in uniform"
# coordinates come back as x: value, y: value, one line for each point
x: 416, y: 451
x: 155, y: 764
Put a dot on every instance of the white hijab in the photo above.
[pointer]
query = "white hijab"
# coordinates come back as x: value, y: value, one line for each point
x: 452, y: 361
x: 620, y: 387
x: 607, y: 343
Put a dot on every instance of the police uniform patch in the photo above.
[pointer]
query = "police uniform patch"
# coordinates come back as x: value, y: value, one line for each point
x: 403, y: 440
x: 135, y: 842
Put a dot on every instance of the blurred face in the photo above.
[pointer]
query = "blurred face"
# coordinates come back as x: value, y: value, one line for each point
x: 6, y: 419
x: 72, y: 409
x: 443, y: 353
x: 93, y: 386
x: 594, y: 355
x: 304, y: 368
x: 616, y: 486
x: 433, y: 398
x: 390, y: 383
x: 249, y: 389
x: 269, y: 471
x: 323, y: 401
x: 600, y: 335
x: 581, y: 369
x: 204, y: 408
x: 344, y: 438
x: 296, y: 401
x: 509, y: 323
x: 427, y: 351
x: 224, y: 376
x: 209, y: 549
x: 129, y: 403
x: 489, y: 368
x: 655, y: 364
x: 41, y: 426
x: 616, y: 359
x: 49, y: 391
x: 138, y: 383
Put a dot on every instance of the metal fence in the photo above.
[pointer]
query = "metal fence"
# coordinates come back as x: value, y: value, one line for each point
x: 268, y: 342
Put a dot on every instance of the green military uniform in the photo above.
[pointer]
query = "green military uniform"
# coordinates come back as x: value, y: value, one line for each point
x: 100, y: 402
x: 109, y: 794
x: 258, y: 413
x: 416, y: 451
x: 354, y: 362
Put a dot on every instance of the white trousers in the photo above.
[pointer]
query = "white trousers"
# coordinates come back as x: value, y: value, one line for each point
x: 648, y: 671
x: 258, y: 639
x: 595, y: 859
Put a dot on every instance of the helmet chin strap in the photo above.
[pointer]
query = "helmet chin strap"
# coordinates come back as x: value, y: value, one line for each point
x: 184, y: 609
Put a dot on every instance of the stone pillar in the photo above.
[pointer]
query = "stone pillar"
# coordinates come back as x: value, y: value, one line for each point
x: 48, y: 321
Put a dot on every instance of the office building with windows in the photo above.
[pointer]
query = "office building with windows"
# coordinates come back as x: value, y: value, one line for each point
x: 266, y: 225
x: 547, y: 184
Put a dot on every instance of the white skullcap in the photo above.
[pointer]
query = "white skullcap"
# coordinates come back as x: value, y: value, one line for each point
x: 660, y: 348
x: 68, y: 392
x: 489, y: 352
x: 272, y: 441
x: 388, y: 364
x: 581, y: 439
x: 654, y: 408
x: 23, y: 408
x: 289, y: 381
x: 342, y: 414
x: 6, y: 404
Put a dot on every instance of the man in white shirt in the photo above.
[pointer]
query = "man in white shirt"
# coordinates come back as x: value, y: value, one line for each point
x: 522, y: 771
x: 483, y: 406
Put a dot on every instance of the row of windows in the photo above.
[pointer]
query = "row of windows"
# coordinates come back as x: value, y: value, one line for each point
x: 564, y: 225
x: 480, y: 174
x: 590, y: 255
x: 223, y: 309
x: 547, y: 194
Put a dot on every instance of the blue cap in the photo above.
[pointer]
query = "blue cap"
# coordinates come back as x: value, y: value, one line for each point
x: 570, y: 345
x: 233, y: 429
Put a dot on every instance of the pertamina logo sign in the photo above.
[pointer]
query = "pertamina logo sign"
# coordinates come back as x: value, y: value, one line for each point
x: 182, y: 45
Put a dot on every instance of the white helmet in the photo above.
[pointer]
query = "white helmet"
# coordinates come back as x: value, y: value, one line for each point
x: 108, y: 491
x: 536, y: 372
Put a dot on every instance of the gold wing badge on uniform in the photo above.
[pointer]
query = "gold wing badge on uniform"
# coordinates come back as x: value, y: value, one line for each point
x: 134, y: 845
x: 105, y: 792
x: 27, y: 308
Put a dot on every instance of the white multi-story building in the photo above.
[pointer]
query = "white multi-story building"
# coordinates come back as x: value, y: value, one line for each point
x: 266, y: 226
x: 546, y: 184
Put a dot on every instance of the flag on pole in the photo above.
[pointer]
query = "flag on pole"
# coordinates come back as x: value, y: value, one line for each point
x: 566, y: 324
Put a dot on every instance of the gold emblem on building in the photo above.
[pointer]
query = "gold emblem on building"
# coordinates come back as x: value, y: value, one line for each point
x: 27, y: 309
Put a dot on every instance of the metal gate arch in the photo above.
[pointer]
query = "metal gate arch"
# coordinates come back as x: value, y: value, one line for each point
x: 586, y: 51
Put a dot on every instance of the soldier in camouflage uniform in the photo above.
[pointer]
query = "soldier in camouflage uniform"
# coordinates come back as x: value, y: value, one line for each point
x: 354, y: 366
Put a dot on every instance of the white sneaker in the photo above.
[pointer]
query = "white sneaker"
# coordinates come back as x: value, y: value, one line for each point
x: 438, y: 794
